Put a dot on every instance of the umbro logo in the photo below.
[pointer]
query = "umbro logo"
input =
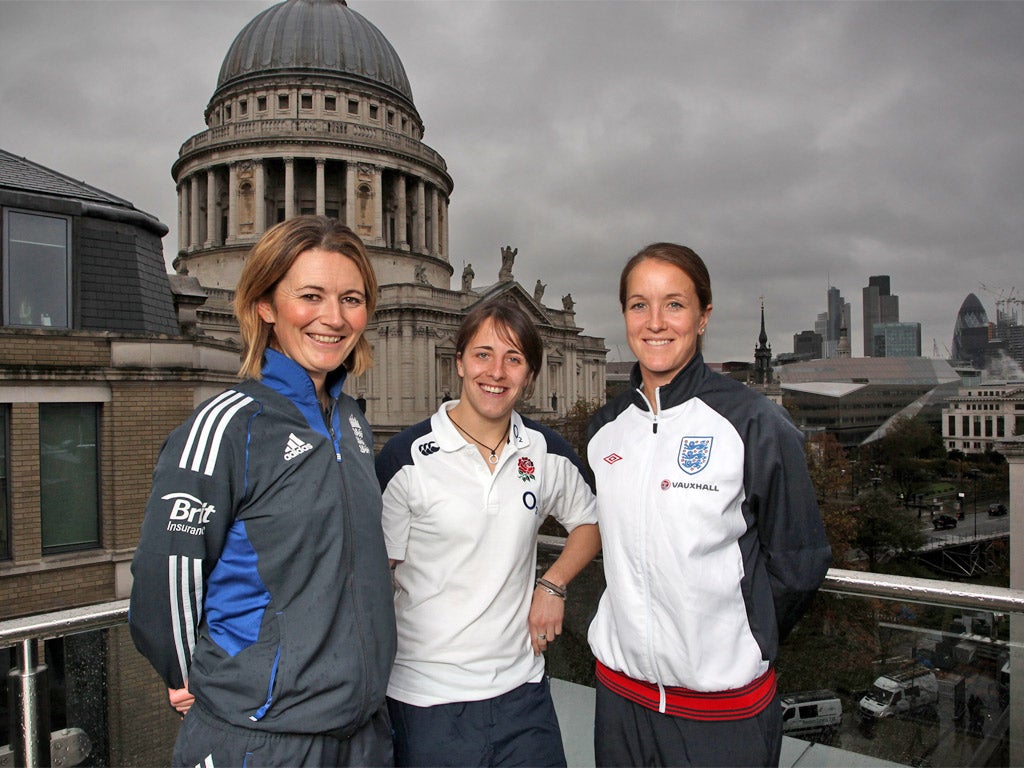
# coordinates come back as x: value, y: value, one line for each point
x: 611, y: 458
x: 295, y: 447
x: 428, y: 448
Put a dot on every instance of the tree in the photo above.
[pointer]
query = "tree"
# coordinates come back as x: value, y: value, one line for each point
x: 884, y: 530
x: 906, y: 448
x: 828, y: 466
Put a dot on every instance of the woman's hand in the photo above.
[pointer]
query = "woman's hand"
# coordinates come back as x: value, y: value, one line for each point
x: 181, y: 700
x: 545, y: 622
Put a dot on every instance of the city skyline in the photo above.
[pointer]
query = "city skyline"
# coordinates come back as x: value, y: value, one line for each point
x: 794, y: 146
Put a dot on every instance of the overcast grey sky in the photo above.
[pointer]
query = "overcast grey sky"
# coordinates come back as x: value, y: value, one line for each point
x: 793, y: 145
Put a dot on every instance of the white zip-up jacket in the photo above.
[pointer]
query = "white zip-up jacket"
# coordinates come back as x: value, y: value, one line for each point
x: 713, y: 542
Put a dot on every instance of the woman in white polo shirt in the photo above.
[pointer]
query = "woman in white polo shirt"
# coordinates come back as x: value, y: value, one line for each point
x: 465, y: 493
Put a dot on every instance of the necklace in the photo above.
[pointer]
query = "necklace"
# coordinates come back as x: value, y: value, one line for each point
x: 493, y: 458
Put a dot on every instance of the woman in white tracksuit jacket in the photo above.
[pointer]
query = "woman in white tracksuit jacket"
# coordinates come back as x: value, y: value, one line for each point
x: 713, y: 542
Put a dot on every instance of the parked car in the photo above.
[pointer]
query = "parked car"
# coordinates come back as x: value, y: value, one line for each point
x: 942, y: 522
x: 996, y: 510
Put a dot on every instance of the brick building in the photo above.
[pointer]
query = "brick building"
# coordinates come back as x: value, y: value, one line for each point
x: 98, y: 362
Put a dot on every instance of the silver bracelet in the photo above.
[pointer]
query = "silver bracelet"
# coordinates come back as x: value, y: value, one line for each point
x: 551, y: 588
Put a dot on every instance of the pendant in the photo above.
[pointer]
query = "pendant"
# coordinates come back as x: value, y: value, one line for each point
x: 493, y: 459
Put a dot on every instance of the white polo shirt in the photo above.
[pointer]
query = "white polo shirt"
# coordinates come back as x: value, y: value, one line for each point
x: 467, y: 542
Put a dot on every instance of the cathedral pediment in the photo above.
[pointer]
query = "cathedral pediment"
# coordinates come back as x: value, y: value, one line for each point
x: 514, y: 293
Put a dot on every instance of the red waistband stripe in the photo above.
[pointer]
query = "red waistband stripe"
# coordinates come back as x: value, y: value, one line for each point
x: 734, y: 704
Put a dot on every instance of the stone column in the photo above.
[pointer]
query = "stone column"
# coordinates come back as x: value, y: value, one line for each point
x: 193, y: 235
x: 232, y: 234
x: 321, y: 194
x: 443, y: 216
x: 419, y: 230
x: 434, y: 234
x: 378, y: 205
x: 260, y: 225
x: 211, y: 208
x: 400, y: 220
x: 350, y: 195
x: 183, y: 208
x: 289, y: 187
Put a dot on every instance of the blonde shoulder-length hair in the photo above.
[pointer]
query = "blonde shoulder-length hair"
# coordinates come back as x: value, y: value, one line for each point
x: 270, y: 260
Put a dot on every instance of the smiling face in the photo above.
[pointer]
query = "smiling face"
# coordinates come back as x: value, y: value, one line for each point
x: 664, y: 319
x: 318, y: 312
x: 494, y: 374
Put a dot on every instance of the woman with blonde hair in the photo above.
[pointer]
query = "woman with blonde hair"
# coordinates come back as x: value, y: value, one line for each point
x: 262, y: 595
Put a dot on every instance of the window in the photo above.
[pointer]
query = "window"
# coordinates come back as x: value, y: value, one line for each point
x: 353, y: 106
x: 330, y: 103
x: 374, y: 109
x: 243, y: 107
x: 69, y: 475
x: 391, y: 117
x: 5, y: 494
x: 952, y: 425
x: 282, y: 101
x: 261, y: 103
x: 306, y: 100
x: 37, y: 269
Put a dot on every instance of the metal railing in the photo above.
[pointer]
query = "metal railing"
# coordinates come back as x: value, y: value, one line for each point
x: 32, y: 743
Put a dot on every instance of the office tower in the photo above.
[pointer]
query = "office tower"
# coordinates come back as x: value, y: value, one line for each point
x: 880, y: 306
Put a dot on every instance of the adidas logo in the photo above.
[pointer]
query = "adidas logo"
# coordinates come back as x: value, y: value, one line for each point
x: 295, y: 447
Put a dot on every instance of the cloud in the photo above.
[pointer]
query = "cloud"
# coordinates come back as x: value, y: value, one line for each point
x: 794, y: 145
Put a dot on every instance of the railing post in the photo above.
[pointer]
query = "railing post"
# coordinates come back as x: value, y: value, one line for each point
x: 30, y: 709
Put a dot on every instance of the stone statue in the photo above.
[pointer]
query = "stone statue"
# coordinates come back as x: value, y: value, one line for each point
x: 421, y: 274
x: 538, y: 291
x: 568, y: 303
x: 467, y: 278
x: 508, y: 257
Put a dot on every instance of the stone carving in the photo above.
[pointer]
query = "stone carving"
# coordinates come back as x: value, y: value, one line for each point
x: 421, y: 274
x: 467, y: 278
x: 508, y: 258
x: 568, y: 303
x: 538, y: 291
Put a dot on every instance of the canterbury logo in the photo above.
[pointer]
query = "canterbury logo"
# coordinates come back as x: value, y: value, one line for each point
x: 295, y: 447
x: 203, y: 444
x: 428, y: 448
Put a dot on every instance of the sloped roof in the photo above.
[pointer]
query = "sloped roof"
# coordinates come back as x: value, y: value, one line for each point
x: 869, y: 370
x: 19, y: 174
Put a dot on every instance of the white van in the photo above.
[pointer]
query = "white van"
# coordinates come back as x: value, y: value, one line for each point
x: 900, y: 692
x: 811, y: 713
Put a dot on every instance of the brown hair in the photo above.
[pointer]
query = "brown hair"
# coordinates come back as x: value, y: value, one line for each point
x: 679, y: 256
x: 269, y: 261
x: 513, y: 325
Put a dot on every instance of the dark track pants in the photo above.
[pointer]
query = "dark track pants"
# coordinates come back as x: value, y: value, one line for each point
x: 626, y: 734
x: 517, y: 728
x: 208, y: 742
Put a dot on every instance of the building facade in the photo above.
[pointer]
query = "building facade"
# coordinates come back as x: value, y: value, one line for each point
x: 98, y: 362
x: 981, y: 415
x: 879, y: 306
x: 313, y: 113
x: 896, y: 340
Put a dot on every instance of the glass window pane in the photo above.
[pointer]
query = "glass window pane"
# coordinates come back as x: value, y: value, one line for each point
x: 69, y: 488
x: 5, y: 518
x: 36, y: 266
